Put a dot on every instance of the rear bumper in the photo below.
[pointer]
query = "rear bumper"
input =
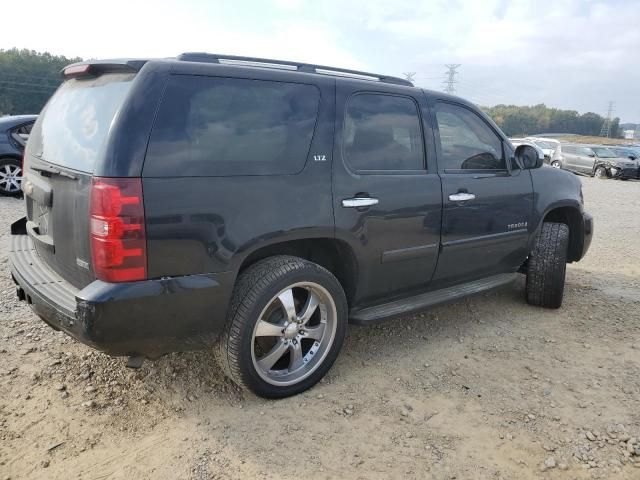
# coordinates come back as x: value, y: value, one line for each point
x: 147, y: 318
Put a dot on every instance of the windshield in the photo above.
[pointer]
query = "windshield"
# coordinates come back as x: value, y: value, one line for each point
x: 76, y: 121
x: 543, y: 144
x: 626, y: 152
x: 603, y: 152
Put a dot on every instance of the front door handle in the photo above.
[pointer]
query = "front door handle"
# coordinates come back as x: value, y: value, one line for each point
x: 357, y: 202
x: 461, y: 197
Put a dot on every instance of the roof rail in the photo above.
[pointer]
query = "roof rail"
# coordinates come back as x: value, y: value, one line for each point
x: 287, y: 65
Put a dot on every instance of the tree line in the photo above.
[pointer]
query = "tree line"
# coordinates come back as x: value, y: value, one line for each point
x: 521, y: 121
x: 28, y: 78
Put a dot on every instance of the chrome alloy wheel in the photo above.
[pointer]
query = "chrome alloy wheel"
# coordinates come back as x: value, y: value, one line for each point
x: 10, y: 178
x: 294, y: 334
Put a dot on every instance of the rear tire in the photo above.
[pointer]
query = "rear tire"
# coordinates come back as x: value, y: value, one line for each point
x: 556, y: 164
x: 547, y: 265
x: 10, y: 177
x: 276, y: 351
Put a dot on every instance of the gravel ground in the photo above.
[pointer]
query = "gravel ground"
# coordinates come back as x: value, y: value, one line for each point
x: 485, y: 388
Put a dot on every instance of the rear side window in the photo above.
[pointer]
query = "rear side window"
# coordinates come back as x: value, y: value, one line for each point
x: 466, y: 141
x: 568, y: 149
x: 210, y: 126
x: 382, y: 132
x: 76, y: 121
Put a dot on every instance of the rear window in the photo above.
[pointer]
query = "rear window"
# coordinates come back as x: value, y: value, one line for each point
x: 211, y: 126
x: 76, y: 121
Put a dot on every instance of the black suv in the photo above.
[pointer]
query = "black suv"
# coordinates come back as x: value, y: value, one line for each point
x: 259, y: 205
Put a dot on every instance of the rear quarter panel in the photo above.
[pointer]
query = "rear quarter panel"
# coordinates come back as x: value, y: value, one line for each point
x: 211, y: 224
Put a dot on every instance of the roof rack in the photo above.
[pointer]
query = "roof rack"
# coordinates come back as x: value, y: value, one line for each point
x: 286, y: 65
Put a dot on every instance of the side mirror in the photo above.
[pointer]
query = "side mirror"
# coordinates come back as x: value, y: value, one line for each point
x: 592, y: 155
x: 529, y: 156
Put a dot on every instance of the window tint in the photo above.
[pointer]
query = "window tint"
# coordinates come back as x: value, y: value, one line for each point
x: 209, y: 126
x: 382, y: 132
x: 467, y: 142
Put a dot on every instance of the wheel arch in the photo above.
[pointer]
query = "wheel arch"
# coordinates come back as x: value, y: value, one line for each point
x: 571, y: 216
x: 10, y: 156
x: 334, y: 255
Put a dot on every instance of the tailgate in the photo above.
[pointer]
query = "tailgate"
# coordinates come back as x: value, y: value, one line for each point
x: 65, y: 145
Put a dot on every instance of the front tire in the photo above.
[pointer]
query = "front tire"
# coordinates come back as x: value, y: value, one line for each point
x: 10, y: 177
x: 286, y: 324
x: 547, y: 266
x: 556, y: 164
x: 601, y: 173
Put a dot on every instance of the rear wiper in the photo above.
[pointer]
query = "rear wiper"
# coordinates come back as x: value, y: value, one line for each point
x: 52, y: 170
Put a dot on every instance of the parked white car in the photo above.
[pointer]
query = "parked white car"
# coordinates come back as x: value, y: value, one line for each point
x: 548, y: 146
x: 516, y: 142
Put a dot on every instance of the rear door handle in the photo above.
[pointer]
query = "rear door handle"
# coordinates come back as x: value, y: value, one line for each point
x: 461, y: 197
x: 357, y: 202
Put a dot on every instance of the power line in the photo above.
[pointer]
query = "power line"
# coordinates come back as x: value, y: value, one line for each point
x: 409, y: 76
x: 450, y: 79
x: 606, y: 127
x: 50, y: 88
x: 21, y: 77
x: 27, y: 90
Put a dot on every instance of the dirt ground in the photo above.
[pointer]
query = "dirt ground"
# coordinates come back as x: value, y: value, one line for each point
x: 486, y: 388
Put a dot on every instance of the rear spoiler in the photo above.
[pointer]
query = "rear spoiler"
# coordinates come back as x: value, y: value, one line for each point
x: 94, y: 68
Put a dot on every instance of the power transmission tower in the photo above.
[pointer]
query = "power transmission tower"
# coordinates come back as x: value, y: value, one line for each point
x: 450, y: 78
x: 606, y: 127
x: 409, y: 76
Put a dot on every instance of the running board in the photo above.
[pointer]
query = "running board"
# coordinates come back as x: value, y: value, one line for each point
x: 424, y: 300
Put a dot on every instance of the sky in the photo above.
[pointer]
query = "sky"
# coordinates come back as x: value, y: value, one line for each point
x: 575, y: 54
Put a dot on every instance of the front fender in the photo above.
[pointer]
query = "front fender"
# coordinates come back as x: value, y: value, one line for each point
x: 558, y: 195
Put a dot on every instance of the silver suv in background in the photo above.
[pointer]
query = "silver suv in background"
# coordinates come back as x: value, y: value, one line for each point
x: 594, y: 160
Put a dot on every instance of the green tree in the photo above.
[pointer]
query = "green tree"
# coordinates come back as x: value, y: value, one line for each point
x: 27, y: 79
x: 524, y: 120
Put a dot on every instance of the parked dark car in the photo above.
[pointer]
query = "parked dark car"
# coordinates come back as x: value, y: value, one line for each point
x: 257, y: 206
x: 594, y: 160
x: 627, y: 152
x: 14, y: 132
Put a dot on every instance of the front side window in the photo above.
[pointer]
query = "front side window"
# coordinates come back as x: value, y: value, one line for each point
x: 466, y: 141
x: 585, y: 151
x: 213, y: 126
x: 604, y: 152
x: 382, y: 132
x: 21, y: 133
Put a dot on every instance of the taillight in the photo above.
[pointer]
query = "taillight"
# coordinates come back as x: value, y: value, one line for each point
x: 118, y: 239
